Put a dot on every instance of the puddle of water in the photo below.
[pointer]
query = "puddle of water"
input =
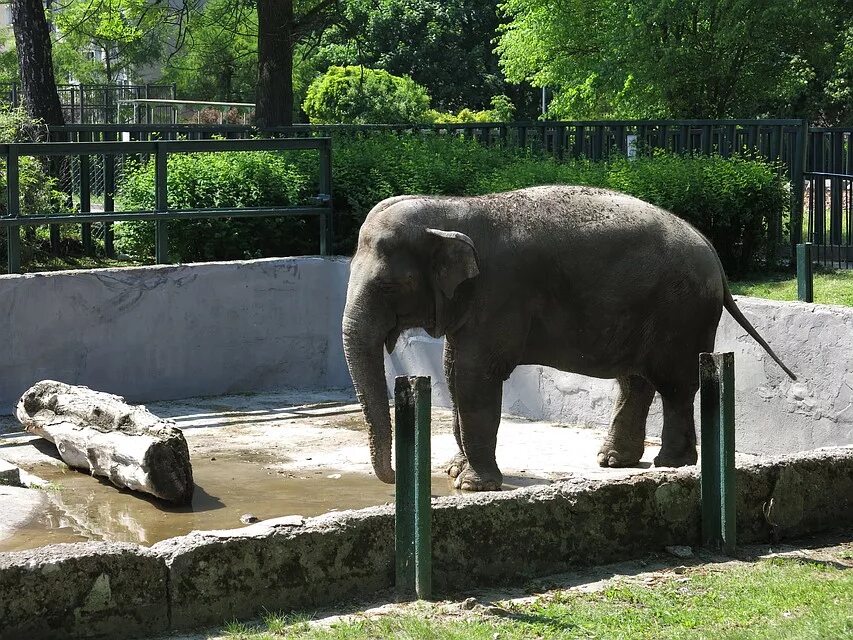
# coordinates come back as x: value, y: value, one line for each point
x: 85, y: 508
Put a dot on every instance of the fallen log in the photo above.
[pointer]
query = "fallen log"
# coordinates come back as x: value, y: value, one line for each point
x: 101, y: 433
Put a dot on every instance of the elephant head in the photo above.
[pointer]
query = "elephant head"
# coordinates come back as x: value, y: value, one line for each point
x: 406, y: 273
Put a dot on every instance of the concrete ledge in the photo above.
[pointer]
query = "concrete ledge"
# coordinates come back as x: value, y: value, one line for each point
x: 111, y: 590
x: 84, y: 590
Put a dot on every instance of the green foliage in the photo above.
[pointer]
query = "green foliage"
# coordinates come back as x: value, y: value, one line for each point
x: 359, y: 95
x: 502, y: 110
x: 659, y: 58
x: 444, y: 46
x: 219, y: 60
x: 233, y: 179
x: 38, y: 190
x: 727, y: 199
x: 127, y: 33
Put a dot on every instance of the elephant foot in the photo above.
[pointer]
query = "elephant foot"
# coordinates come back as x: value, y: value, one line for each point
x: 611, y: 456
x: 470, y: 480
x: 676, y: 459
x: 457, y: 465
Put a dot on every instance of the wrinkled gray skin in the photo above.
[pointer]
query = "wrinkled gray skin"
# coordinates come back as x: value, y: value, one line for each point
x: 583, y: 280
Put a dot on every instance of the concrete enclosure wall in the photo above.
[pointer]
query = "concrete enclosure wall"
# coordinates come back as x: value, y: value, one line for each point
x: 166, y: 332
x: 774, y: 414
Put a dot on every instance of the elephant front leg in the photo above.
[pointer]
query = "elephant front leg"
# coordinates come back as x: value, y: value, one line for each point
x: 479, y: 415
x: 624, y: 443
x: 458, y: 462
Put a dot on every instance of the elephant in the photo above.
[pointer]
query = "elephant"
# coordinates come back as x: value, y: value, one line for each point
x: 581, y: 279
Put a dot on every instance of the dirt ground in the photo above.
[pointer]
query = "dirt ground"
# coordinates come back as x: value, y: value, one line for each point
x: 263, y: 456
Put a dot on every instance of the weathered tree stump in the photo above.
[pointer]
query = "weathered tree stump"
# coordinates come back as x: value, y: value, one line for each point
x: 101, y: 433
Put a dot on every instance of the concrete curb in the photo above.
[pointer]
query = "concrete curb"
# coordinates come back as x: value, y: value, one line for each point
x: 120, y: 590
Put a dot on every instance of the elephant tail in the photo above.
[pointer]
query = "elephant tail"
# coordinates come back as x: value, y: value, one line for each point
x: 732, y: 308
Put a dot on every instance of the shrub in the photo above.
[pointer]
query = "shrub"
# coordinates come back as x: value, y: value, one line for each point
x: 358, y: 95
x: 727, y: 199
x: 503, y: 110
x: 220, y: 180
x: 39, y: 191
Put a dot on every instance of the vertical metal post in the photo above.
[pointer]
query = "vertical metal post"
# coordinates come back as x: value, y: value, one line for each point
x: 801, y: 136
x: 109, y: 196
x: 423, y: 486
x: 161, y: 227
x: 413, y: 528
x: 717, y: 479
x: 13, y: 210
x: 805, y: 276
x: 327, y: 220
x: 85, y: 204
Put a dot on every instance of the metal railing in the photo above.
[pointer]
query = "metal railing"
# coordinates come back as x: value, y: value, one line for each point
x: 161, y: 215
x: 830, y: 218
x: 101, y: 103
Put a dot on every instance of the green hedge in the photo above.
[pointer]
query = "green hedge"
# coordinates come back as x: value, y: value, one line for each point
x: 727, y: 199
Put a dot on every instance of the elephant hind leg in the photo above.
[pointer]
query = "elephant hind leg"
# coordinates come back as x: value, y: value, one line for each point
x: 678, y: 438
x: 623, y: 445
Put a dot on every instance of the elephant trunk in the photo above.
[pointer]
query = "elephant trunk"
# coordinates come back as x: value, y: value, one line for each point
x: 364, y: 338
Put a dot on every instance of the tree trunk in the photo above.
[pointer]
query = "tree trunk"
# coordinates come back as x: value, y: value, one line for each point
x: 274, y: 95
x: 38, y: 84
x: 100, y: 433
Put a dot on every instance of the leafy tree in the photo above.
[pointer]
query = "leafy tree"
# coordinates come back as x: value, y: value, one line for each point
x: 653, y: 58
x: 444, y: 46
x: 127, y: 33
x: 32, y: 42
x: 219, y: 57
x: 360, y: 95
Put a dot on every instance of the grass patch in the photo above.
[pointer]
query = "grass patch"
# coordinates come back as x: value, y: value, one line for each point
x: 776, y: 598
x: 830, y: 287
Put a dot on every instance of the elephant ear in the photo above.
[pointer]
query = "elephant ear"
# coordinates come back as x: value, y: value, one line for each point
x: 454, y: 260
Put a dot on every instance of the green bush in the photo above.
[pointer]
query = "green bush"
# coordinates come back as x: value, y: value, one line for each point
x: 727, y: 199
x: 358, y: 95
x: 220, y: 180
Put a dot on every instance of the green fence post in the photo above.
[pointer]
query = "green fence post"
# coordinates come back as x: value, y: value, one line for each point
x: 13, y: 210
x: 109, y: 196
x: 423, y: 486
x: 161, y: 227
x: 327, y: 221
x: 805, y: 277
x: 85, y: 204
x: 412, y: 528
x: 717, y: 478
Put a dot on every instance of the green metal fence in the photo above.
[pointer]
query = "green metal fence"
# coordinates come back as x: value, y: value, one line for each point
x: 105, y: 103
x: 157, y: 152
x: 802, y: 152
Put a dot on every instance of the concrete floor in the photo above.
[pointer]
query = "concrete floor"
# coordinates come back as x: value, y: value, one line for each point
x: 264, y: 455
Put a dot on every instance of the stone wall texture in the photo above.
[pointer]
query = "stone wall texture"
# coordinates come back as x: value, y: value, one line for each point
x: 108, y: 590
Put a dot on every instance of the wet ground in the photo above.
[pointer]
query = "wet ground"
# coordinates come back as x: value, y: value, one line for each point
x: 264, y: 455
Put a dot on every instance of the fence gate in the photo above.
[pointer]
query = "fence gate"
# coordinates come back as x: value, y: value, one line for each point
x: 829, y: 197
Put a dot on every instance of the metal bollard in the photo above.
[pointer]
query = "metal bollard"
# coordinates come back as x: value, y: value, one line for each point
x: 805, y: 277
x: 413, y: 519
x: 717, y: 478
